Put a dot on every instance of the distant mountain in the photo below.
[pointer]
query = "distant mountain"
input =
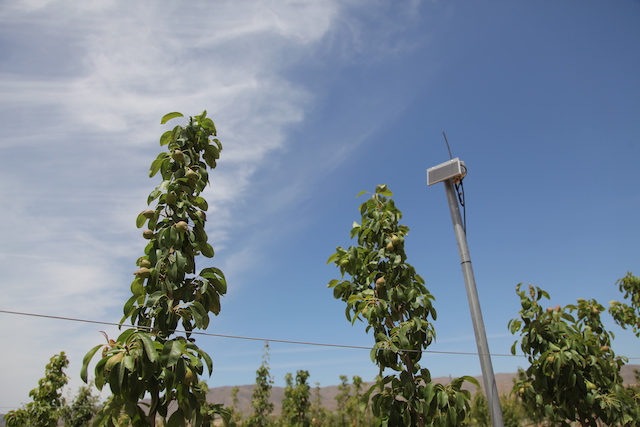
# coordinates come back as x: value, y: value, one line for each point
x: 504, y: 382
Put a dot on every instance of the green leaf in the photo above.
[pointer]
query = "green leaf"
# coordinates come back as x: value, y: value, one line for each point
x: 128, y: 307
x: 333, y: 258
x: 166, y: 138
x: 140, y: 220
x: 149, y: 347
x: 207, y: 359
x: 172, y: 351
x: 153, y: 195
x: 382, y: 189
x: 137, y: 287
x: 124, y: 336
x: 219, y: 285
x: 155, y: 167
x: 207, y: 250
x: 361, y: 193
x: 85, y: 361
x: 354, y: 298
x: 458, y: 381
x: 170, y: 116
x: 176, y: 419
x: 201, y: 203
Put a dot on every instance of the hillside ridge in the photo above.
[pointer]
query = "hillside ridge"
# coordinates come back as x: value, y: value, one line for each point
x: 504, y: 382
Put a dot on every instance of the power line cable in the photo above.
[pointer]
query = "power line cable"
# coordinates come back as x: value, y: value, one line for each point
x: 97, y: 322
x: 208, y: 334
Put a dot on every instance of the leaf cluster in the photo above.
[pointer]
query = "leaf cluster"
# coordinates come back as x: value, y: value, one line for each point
x: 628, y: 314
x: 573, y: 374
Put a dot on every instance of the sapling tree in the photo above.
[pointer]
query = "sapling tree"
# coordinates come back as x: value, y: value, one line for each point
x: 480, y: 410
x: 82, y: 409
x: 320, y: 416
x: 574, y: 375
x: 262, y: 407
x: 385, y: 291
x: 512, y: 411
x: 235, y: 415
x: 350, y: 411
x: 48, y: 402
x: 168, y: 292
x: 296, y: 401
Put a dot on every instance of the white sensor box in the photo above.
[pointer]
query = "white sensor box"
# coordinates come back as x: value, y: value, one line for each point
x: 453, y: 169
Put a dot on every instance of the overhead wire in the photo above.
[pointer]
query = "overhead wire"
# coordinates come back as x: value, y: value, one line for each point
x: 209, y: 334
x: 281, y: 341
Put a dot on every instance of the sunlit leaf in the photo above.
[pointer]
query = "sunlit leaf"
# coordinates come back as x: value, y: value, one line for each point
x: 170, y: 116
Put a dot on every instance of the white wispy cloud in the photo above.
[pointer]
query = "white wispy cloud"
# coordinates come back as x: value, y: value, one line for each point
x: 65, y: 227
x: 80, y: 102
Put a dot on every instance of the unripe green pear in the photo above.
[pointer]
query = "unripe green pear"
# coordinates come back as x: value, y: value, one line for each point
x: 143, y: 272
x: 178, y: 156
x: 147, y: 234
x: 191, y: 174
x: 144, y: 263
x: 189, y: 377
x: 171, y: 198
x: 182, y: 226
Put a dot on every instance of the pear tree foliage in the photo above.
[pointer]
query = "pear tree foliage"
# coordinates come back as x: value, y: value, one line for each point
x: 151, y: 360
x: 574, y: 375
x: 385, y: 292
x: 47, y: 401
x: 628, y: 314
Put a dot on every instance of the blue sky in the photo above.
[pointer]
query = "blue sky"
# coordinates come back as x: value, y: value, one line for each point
x: 315, y: 101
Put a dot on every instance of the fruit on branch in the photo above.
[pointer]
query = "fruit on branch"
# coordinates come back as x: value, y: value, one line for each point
x: 178, y: 156
x: 171, y: 198
x: 147, y: 234
x: 143, y: 272
x: 191, y: 174
x: 144, y: 263
x: 148, y: 213
x: 182, y: 227
x: 189, y: 377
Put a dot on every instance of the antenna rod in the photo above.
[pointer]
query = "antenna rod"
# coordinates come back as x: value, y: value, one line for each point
x: 448, y: 148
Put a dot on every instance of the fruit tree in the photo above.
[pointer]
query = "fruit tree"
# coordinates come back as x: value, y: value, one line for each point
x: 152, y: 359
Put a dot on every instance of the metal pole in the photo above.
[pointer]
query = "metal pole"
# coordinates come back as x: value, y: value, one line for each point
x: 490, y: 387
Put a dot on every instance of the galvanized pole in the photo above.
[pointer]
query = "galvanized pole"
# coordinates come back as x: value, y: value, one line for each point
x: 490, y: 387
